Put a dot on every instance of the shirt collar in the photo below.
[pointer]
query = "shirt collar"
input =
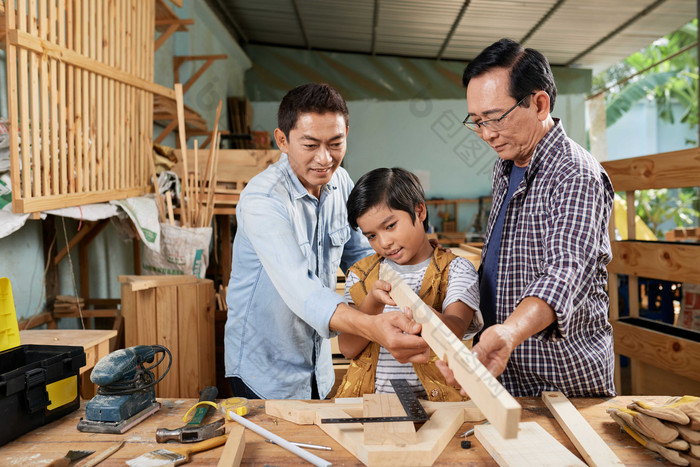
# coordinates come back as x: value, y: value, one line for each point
x: 299, y: 189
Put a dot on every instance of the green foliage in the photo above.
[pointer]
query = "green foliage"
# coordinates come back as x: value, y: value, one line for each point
x: 674, y: 80
x: 656, y: 207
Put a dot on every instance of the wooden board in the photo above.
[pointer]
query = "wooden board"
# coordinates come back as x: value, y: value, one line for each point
x: 674, y: 169
x: 532, y: 447
x: 233, y: 450
x: 394, y: 433
x: 499, y: 407
x: 589, y: 444
x: 666, y: 261
x: 95, y: 342
x: 431, y: 438
x: 670, y: 353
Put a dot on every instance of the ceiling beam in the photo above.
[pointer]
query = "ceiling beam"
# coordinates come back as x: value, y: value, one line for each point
x: 543, y: 20
x: 453, y: 29
x: 224, y: 11
x: 375, y: 22
x: 301, y: 24
x: 614, y: 33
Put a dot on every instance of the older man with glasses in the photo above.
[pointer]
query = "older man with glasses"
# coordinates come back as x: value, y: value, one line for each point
x: 543, y: 275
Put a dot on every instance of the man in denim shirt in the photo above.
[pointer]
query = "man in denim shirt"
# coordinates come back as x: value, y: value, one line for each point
x: 292, y: 235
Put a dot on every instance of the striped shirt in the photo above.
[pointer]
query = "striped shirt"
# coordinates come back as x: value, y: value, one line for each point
x: 462, y: 286
x: 555, y: 246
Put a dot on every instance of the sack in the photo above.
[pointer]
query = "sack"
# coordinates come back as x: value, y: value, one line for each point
x: 182, y: 251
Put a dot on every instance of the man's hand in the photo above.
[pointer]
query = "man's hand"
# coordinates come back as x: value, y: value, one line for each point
x: 399, y: 335
x: 495, y: 346
x: 395, y: 331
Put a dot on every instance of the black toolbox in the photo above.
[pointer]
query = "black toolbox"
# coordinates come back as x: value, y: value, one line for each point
x: 38, y: 384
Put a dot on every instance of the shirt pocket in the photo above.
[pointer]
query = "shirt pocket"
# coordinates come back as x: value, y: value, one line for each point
x: 338, y: 238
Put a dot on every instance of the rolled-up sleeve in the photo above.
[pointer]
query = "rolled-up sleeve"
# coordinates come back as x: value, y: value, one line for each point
x: 571, y: 241
x: 268, y: 226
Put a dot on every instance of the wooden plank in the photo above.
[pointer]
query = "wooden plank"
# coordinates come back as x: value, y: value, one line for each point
x: 188, y: 333
x: 674, y: 169
x: 14, y: 108
x: 147, y: 319
x: 129, y: 312
x: 73, y: 199
x: 666, y: 261
x: 234, y: 447
x: 632, y: 280
x: 167, y: 335
x: 28, y: 42
x: 670, y: 353
x: 533, y: 447
x: 70, y: 103
x: 34, y: 105
x: 207, y: 340
x: 148, y: 282
x: 394, y: 433
x: 499, y: 407
x: 589, y: 444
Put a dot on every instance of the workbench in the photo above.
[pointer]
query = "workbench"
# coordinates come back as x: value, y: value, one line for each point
x: 56, y: 439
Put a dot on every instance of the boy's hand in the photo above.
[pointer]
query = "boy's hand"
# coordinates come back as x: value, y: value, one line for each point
x: 380, y: 292
x: 436, y: 244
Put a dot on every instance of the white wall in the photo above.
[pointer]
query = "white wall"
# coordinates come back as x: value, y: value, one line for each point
x: 640, y: 132
x: 428, y: 138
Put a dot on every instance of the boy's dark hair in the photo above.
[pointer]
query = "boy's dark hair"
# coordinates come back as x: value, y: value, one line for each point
x: 529, y: 69
x: 397, y: 188
x: 312, y: 97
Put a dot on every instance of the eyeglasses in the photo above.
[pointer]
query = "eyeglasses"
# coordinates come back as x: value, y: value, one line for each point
x: 494, y: 124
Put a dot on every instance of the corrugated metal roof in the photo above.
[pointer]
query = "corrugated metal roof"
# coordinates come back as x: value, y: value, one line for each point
x: 587, y: 33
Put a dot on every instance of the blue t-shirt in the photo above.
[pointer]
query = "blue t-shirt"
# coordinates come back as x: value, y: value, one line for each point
x: 489, y: 272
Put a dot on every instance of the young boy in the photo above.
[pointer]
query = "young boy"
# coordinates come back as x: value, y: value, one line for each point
x: 388, y: 205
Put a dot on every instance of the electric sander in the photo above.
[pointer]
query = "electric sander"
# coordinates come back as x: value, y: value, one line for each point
x: 126, y: 392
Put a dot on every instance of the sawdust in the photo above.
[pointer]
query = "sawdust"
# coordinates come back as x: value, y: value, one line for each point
x: 25, y: 460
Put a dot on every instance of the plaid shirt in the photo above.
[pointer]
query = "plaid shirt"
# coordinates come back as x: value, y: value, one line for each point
x: 555, y: 246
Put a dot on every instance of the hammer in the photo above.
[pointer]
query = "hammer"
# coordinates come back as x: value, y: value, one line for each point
x: 194, y: 431
x: 191, y: 433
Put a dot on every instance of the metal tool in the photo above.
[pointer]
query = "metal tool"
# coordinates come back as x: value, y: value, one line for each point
x: 69, y: 457
x: 194, y: 431
x: 175, y: 456
x: 411, y: 404
x: 191, y: 433
x: 126, y: 393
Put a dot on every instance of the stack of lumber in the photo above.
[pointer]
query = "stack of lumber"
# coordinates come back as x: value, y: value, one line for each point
x: 235, y: 169
x: 197, y: 207
x: 68, y: 305
x: 241, y: 120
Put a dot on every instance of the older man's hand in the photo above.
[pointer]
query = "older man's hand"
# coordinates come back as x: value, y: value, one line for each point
x: 495, y: 346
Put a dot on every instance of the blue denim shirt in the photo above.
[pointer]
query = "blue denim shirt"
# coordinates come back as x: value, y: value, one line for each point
x: 281, y: 294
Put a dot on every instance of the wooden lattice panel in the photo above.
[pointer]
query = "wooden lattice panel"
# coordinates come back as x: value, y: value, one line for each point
x: 80, y: 100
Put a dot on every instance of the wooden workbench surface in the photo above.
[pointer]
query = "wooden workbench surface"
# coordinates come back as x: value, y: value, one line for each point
x: 56, y: 439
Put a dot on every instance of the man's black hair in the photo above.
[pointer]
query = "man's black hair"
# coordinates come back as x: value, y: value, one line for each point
x: 313, y: 97
x: 529, y: 69
x: 397, y: 188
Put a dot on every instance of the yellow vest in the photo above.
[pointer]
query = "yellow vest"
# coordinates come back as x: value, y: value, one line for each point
x: 359, y: 379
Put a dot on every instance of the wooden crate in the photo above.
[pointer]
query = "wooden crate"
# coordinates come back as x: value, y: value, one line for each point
x: 178, y: 313
x: 660, y: 362
x: 80, y: 100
